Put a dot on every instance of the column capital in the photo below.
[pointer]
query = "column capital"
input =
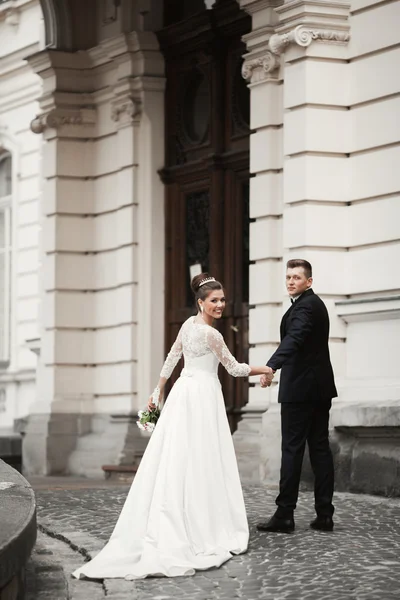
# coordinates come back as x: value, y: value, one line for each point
x: 260, y: 64
x: 62, y: 72
x: 126, y: 110
x: 58, y: 117
x: 303, y: 36
x: 261, y: 68
x: 304, y: 21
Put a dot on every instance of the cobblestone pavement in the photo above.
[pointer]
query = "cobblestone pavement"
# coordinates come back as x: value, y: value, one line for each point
x: 360, y: 560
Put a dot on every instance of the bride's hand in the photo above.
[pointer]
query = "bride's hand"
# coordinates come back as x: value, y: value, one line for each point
x: 150, y: 405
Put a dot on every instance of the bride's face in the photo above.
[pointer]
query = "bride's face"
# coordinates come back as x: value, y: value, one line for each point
x: 214, y: 304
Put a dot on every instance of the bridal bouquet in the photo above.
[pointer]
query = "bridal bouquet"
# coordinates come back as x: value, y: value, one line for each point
x: 148, y: 418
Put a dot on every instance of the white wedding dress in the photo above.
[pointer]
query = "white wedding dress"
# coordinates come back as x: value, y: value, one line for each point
x: 185, y: 509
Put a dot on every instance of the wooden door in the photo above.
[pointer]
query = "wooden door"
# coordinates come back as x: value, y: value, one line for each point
x: 207, y: 173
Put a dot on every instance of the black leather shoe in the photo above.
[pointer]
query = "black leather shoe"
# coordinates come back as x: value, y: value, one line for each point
x: 322, y: 523
x: 277, y: 524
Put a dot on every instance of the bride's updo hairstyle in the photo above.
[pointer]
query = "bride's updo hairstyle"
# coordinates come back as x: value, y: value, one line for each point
x: 201, y: 288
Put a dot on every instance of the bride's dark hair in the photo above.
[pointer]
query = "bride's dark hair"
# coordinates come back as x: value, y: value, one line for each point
x: 202, y: 291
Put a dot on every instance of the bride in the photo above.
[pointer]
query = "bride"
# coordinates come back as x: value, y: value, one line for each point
x: 185, y: 509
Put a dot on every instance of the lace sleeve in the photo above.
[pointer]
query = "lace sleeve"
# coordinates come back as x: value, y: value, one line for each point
x: 216, y: 343
x: 173, y: 357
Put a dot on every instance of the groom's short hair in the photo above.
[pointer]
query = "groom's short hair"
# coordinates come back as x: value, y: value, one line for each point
x: 300, y: 262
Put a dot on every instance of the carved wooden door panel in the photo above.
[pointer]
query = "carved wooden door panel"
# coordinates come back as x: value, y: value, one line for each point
x: 207, y: 174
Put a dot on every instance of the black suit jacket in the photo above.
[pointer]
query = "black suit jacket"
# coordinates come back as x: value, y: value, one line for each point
x: 303, y: 354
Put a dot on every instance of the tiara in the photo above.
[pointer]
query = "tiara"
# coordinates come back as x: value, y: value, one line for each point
x: 207, y: 280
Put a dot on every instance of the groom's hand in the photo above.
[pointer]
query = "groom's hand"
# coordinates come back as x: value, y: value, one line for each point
x: 266, y: 379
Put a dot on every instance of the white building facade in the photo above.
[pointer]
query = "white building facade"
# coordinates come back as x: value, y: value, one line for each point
x: 87, y: 210
x: 20, y: 185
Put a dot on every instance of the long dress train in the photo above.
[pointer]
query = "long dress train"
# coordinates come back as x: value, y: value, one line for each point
x: 185, y: 509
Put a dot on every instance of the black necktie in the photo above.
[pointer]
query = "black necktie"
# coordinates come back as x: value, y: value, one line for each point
x: 292, y: 300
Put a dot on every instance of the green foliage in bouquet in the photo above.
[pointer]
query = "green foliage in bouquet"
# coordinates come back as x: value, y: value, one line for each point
x: 148, y: 419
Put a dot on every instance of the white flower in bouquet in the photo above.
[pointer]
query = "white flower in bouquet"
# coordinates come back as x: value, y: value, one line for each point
x: 148, y: 418
x: 149, y: 427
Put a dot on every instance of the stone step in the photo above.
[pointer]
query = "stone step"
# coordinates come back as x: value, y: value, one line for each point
x: 112, y: 440
x: 120, y: 472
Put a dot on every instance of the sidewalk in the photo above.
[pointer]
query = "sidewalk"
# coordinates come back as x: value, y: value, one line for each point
x: 360, y: 560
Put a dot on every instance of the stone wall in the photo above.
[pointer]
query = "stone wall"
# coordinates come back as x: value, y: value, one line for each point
x: 20, y: 34
x: 324, y: 148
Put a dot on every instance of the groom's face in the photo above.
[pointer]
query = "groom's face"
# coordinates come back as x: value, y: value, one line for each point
x: 296, y: 281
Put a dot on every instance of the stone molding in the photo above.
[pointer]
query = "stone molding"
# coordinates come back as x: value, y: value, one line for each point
x: 303, y: 36
x: 119, y: 47
x: 260, y: 68
x: 254, y: 6
x: 48, y: 63
x: 58, y: 118
x: 369, y: 309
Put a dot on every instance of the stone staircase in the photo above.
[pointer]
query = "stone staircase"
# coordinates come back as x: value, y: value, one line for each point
x: 113, y: 441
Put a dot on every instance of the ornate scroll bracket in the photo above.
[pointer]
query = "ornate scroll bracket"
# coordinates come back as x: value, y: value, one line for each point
x: 127, y: 110
x: 58, y: 118
x: 303, y: 36
x: 261, y: 68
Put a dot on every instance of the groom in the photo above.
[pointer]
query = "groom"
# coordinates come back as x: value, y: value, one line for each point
x: 306, y: 390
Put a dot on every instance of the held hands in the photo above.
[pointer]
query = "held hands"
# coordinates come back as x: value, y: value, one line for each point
x: 267, y: 377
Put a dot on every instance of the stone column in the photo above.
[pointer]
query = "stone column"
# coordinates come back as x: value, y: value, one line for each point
x: 342, y: 196
x: 102, y: 296
x: 65, y: 393
x: 312, y: 46
x: 261, y: 68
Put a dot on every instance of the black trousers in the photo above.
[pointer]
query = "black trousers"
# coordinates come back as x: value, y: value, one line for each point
x: 301, y: 422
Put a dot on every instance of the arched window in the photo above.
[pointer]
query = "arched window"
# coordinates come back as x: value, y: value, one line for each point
x: 6, y: 190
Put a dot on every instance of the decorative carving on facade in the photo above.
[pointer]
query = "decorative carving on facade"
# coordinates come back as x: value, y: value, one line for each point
x: 10, y: 13
x: 129, y: 108
x: 303, y: 36
x: 110, y: 11
x: 56, y: 119
x: 263, y: 66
